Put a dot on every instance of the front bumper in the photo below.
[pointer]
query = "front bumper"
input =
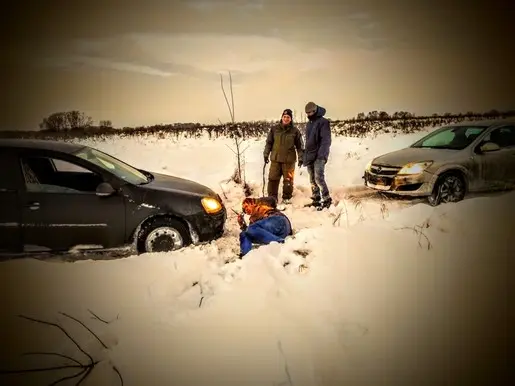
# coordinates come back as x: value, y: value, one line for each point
x: 410, y: 185
x: 208, y: 227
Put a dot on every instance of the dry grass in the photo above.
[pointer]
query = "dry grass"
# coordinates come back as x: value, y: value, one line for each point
x: 419, y: 231
x: 358, y: 202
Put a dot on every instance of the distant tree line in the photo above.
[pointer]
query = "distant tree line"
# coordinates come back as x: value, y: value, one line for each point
x: 75, y: 124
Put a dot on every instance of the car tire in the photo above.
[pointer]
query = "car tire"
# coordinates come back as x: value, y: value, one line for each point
x: 450, y: 187
x: 162, y: 235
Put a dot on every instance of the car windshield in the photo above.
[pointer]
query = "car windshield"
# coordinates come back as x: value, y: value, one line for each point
x: 111, y: 164
x: 453, y: 137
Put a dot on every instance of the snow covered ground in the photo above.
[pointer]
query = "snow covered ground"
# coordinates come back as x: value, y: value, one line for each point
x: 395, y: 293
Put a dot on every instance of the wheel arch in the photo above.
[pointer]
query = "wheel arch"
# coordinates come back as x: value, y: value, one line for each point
x: 459, y: 171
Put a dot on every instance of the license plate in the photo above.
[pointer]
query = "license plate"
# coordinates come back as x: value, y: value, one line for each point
x: 378, y: 187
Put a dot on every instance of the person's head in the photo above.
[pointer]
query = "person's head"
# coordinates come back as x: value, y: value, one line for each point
x: 311, y: 109
x: 287, y: 117
x: 247, y: 205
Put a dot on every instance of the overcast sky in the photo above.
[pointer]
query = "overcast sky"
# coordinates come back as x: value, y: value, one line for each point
x: 141, y: 63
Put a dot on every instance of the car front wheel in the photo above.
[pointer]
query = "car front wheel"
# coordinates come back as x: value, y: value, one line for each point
x: 162, y: 235
x: 449, y: 188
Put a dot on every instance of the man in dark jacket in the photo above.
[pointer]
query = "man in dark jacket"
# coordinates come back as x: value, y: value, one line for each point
x: 316, y: 154
x: 283, y: 144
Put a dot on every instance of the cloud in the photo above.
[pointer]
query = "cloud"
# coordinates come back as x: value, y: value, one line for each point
x: 243, y: 53
x: 210, y: 5
x: 202, y: 56
x: 367, y: 33
x: 90, y: 61
x: 358, y: 16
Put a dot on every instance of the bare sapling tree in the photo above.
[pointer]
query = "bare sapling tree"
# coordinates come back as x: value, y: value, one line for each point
x: 237, y: 134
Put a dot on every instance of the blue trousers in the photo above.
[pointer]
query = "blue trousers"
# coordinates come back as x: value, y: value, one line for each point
x: 319, y: 189
x: 274, y: 228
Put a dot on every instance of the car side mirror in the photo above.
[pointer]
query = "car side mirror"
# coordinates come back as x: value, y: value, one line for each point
x: 105, y: 189
x: 489, y: 147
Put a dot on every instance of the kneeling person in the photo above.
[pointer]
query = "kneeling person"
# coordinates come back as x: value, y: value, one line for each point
x: 266, y: 223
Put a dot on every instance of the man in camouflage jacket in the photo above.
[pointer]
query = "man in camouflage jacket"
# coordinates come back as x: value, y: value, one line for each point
x: 284, y: 146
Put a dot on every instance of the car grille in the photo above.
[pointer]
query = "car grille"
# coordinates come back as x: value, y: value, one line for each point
x: 378, y: 180
x: 387, y: 171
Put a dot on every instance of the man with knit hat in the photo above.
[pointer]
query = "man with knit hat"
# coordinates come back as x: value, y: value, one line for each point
x: 283, y: 147
x: 316, y: 154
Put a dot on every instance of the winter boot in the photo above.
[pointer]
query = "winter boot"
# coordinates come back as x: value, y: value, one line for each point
x: 325, y: 204
x: 286, y: 201
x: 313, y: 204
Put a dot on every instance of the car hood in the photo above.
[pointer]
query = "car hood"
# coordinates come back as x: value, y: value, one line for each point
x: 402, y: 157
x: 167, y: 183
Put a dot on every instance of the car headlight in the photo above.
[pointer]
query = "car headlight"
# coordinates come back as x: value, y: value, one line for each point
x: 211, y: 205
x: 415, y: 167
x: 369, y: 165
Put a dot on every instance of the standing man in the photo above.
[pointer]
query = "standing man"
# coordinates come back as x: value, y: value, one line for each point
x: 283, y: 147
x: 316, y: 154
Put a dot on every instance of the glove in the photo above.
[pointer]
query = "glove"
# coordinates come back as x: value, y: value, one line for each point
x: 300, y: 163
x: 241, y: 222
x: 266, y: 159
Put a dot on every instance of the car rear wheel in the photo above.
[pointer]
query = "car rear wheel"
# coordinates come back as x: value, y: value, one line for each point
x: 450, y: 187
x: 163, y: 235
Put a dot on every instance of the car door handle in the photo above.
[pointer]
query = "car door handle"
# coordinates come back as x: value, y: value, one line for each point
x: 33, y: 206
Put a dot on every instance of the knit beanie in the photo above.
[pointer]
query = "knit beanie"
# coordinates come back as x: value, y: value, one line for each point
x: 288, y: 112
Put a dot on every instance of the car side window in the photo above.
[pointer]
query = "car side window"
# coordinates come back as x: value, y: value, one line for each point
x: 10, y: 172
x: 502, y: 136
x: 65, y: 166
x: 472, y: 133
x: 53, y: 175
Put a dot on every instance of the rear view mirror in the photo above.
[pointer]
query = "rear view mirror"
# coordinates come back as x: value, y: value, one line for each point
x: 489, y: 146
x: 105, y: 189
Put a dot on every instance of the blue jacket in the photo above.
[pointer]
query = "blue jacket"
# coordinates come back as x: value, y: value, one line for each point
x: 318, y: 138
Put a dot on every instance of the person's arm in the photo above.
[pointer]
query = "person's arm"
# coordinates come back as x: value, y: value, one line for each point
x: 268, y: 145
x: 299, y: 145
x: 241, y: 222
x: 325, y: 140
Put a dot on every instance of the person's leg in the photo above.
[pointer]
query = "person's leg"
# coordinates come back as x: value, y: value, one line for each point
x: 274, y: 228
x: 288, y: 172
x: 315, y: 190
x: 274, y: 177
x: 319, y: 169
x: 278, y: 226
x: 263, y: 232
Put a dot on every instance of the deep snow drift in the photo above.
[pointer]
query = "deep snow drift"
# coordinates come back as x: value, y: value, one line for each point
x: 395, y: 294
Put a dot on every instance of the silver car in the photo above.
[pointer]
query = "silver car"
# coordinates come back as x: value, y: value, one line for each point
x: 449, y: 162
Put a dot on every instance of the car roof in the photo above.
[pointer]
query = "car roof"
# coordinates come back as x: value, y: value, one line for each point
x: 42, y: 144
x: 486, y: 122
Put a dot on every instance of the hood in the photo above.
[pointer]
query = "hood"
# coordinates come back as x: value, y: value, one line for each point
x: 320, y: 111
x: 176, y: 184
x: 411, y: 154
x: 319, y: 114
